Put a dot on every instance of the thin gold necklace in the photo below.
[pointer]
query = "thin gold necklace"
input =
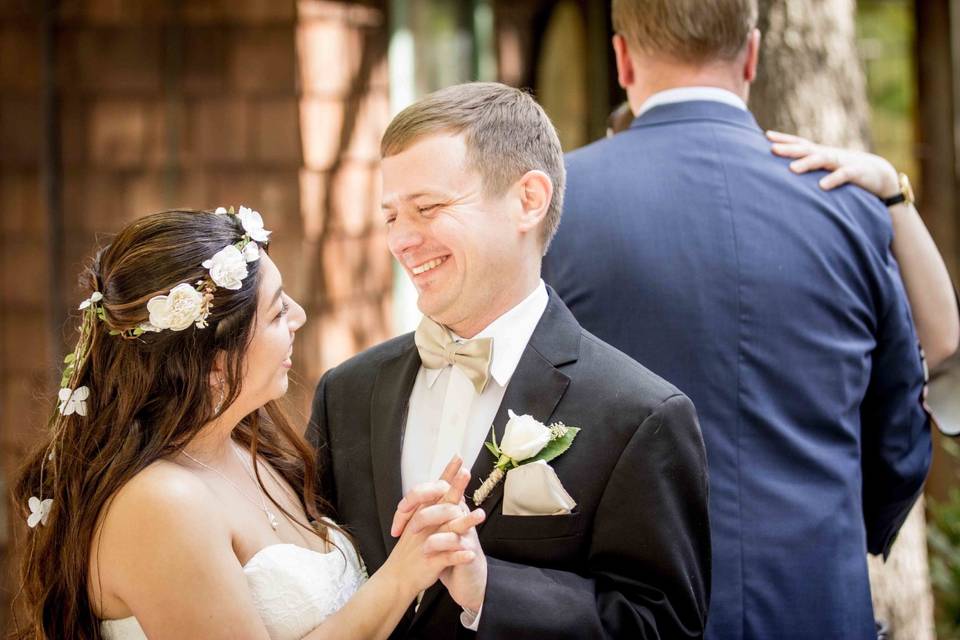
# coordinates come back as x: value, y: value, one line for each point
x: 271, y: 518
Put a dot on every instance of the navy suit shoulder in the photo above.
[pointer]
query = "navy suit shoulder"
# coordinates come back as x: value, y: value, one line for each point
x: 633, y: 384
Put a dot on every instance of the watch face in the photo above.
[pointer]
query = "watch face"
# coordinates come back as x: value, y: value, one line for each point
x: 906, y: 188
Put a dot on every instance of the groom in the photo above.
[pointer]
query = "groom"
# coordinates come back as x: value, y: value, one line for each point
x: 612, y: 538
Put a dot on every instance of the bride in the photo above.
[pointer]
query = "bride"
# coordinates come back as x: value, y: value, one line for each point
x: 171, y: 497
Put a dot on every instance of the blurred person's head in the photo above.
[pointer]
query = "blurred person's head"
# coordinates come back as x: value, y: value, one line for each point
x: 662, y: 44
x: 217, y: 367
x: 473, y: 180
x: 619, y: 119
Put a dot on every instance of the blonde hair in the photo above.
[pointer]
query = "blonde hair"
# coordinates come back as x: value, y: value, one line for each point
x: 691, y: 31
x: 506, y: 133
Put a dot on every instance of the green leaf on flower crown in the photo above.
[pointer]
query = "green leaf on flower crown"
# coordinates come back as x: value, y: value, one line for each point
x: 138, y: 331
x: 556, y: 447
x: 70, y: 358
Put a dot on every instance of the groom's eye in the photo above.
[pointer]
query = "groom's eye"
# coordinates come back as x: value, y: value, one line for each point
x: 427, y: 208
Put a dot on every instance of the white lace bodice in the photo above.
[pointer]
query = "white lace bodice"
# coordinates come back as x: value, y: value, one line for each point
x: 294, y: 589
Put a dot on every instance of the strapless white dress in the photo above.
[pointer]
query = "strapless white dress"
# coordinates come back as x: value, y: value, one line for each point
x: 294, y: 589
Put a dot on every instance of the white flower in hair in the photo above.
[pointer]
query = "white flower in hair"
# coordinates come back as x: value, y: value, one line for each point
x: 96, y: 296
x: 221, y: 211
x: 253, y: 224
x: 227, y: 267
x: 39, y: 511
x: 178, y: 310
x: 74, y: 400
x: 251, y: 252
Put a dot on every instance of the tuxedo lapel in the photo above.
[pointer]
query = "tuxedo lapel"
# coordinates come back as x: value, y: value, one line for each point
x: 388, y: 414
x: 535, y: 389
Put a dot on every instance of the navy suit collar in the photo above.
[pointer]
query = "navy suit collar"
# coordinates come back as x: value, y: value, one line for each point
x: 695, y: 110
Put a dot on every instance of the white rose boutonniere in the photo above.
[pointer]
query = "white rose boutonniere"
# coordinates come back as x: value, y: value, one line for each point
x: 523, y: 437
x: 227, y: 267
x: 525, y: 440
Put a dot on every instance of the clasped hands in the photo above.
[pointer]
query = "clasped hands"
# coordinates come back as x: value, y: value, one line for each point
x: 434, y: 522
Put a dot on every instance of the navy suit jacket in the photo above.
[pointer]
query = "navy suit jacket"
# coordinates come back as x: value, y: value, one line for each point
x: 778, y: 309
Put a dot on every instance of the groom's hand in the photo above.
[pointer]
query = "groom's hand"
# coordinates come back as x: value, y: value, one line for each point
x: 467, y: 583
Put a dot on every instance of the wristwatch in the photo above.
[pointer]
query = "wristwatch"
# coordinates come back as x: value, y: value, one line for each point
x: 905, y: 195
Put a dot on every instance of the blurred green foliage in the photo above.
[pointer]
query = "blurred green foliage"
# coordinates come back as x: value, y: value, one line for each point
x: 885, y: 39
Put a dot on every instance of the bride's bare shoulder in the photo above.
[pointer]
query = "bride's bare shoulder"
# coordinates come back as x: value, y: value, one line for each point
x: 163, y: 504
x: 161, y: 491
x: 162, y: 520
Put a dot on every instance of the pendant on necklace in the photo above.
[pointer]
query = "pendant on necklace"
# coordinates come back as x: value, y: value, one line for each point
x: 273, y: 519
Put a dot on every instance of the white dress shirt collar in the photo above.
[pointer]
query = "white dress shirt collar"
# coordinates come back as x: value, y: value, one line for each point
x: 510, y: 332
x: 689, y: 94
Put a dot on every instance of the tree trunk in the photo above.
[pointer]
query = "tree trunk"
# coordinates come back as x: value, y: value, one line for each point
x: 811, y: 82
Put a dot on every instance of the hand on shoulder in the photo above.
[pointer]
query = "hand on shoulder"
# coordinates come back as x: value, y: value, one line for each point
x: 866, y: 170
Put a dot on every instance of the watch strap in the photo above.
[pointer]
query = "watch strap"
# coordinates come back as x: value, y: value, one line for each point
x: 892, y: 200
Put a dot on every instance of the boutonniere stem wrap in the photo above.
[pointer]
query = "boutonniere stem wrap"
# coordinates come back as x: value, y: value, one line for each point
x: 525, y: 440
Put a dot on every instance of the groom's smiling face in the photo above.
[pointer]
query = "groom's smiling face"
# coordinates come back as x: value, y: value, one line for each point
x: 459, y: 245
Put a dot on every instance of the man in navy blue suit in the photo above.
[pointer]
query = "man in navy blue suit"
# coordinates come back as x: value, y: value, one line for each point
x: 776, y: 306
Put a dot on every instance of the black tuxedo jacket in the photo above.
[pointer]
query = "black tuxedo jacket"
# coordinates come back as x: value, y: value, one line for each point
x: 631, y: 561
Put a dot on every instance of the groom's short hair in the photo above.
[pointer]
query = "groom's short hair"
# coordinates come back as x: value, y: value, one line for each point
x: 506, y: 133
x: 690, y: 31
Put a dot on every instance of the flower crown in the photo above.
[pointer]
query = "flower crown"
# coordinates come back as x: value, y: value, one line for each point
x: 185, y: 305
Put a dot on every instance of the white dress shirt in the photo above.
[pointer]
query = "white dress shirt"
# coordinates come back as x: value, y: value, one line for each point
x: 442, y: 398
x: 688, y: 94
x: 447, y: 415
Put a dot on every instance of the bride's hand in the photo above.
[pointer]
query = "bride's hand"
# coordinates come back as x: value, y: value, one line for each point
x: 449, y: 488
x: 432, y: 538
x: 866, y: 170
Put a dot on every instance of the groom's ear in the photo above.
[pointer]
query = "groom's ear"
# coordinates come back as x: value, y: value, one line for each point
x: 753, y: 56
x: 625, y: 74
x: 535, y: 190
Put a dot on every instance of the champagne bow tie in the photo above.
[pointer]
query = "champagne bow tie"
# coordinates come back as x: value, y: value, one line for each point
x: 438, y: 349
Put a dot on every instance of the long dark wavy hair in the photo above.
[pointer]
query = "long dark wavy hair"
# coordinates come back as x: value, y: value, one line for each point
x: 149, y: 396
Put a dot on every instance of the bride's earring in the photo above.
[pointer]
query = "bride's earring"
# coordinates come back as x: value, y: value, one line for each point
x: 216, y: 409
